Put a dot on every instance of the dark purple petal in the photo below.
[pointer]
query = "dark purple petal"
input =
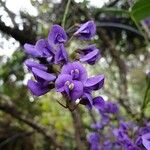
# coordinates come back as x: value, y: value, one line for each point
x: 86, y: 30
x: 76, y: 70
x: 43, y: 74
x: 61, y: 81
x: 37, y: 89
x: 61, y: 54
x: 30, y: 64
x: 91, y: 57
x: 77, y: 90
x: 111, y: 107
x: 88, y: 49
x: 30, y: 49
x: 95, y: 83
x: 87, y: 100
x: 99, y: 102
x: 43, y: 47
x: 57, y: 35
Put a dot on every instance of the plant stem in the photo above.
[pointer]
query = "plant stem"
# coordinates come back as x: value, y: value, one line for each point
x: 145, y: 96
x: 65, y: 14
x: 80, y: 135
x: 139, y: 28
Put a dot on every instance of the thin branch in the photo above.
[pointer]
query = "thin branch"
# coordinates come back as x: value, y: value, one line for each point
x: 80, y: 135
x: 65, y: 13
x: 10, y: 109
x: 17, y: 34
x: 12, y: 138
x: 119, y: 25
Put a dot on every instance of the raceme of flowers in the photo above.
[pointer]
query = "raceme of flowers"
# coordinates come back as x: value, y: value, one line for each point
x: 113, y: 132
x: 54, y: 69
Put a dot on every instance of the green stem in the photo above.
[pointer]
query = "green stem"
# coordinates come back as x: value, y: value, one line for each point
x: 145, y: 96
x: 113, y: 10
x: 139, y: 28
x: 65, y: 14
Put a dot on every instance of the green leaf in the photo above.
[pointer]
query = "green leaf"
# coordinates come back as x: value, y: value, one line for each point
x: 141, y: 10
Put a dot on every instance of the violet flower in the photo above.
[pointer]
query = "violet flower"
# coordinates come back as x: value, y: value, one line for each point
x: 41, y: 49
x: 94, y: 140
x: 73, y: 78
x: 57, y: 35
x: 51, y: 49
x: 90, y: 54
x: 86, y: 31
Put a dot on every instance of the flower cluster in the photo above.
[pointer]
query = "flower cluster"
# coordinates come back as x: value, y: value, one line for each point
x: 53, y: 67
x: 112, y: 132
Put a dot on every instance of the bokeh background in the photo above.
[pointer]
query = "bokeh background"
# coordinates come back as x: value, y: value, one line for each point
x: 27, y: 122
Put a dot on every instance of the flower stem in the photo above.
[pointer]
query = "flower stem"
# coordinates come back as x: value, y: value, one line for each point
x: 80, y: 135
x: 65, y: 14
x: 145, y: 102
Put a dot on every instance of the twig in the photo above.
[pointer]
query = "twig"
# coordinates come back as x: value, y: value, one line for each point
x: 65, y: 14
x: 12, y: 138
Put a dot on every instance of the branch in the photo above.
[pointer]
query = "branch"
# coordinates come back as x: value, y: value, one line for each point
x: 122, y: 70
x: 10, y: 109
x: 21, y: 36
x: 79, y: 129
x: 10, y: 14
x: 12, y: 138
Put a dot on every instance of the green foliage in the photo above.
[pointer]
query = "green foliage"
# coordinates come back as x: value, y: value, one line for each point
x: 141, y: 10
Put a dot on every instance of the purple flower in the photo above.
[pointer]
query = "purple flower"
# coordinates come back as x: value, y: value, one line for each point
x: 61, y: 54
x: 87, y: 100
x: 76, y: 70
x: 94, y: 139
x: 146, y: 140
x: 44, y: 79
x: 40, y: 71
x: 30, y: 64
x: 111, y: 107
x: 38, y: 88
x: 72, y: 88
x: 89, y: 55
x: 98, y: 102
x: 40, y: 49
x: 57, y: 35
x: 86, y: 30
x: 95, y: 83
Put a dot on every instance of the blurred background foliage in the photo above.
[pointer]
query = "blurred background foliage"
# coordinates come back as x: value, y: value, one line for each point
x: 123, y: 39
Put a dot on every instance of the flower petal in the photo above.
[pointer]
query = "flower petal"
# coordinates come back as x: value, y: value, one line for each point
x: 91, y: 57
x: 36, y: 88
x: 43, y: 47
x: 30, y: 49
x: 95, y: 83
x: 30, y: 64
x: 70, y: 68
x: 146, y: 140
x: 57, y: 35
x: 61, y: 80
x: 98, y: 102
x: 77, y: 91
x: 43, y: 74
x: 86, y: 31
x: 87, y: 100
x: 61, y: 54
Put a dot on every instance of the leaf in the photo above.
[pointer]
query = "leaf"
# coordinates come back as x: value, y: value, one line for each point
x: 141, y: 10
